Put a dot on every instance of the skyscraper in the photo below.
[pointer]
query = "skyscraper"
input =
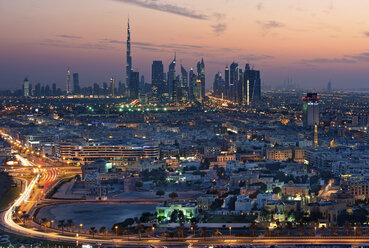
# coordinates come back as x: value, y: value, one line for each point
x: 233, y: 80
x: 134, y: 85
x: 329, y: 87
x: 201, y: 77
x: 172, y: 77
x: 76, y: 88
x: 68, y: 86
x: 226, y: 80
x: 112, y: 87
x: 26, y: 90
x: 157, y: 78
x: 128, y: 57
x: 252, y: 85
x: 310, y: 110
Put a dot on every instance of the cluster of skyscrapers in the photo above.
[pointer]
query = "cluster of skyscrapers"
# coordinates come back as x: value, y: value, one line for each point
x: 187, y: 86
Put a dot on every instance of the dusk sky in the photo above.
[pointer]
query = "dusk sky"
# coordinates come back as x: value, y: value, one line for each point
x: 310, y: 42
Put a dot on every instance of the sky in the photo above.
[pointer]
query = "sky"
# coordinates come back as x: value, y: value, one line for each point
x: 309, y: 42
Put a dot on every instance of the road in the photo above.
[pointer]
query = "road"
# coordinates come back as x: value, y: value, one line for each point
x: 45, y: 177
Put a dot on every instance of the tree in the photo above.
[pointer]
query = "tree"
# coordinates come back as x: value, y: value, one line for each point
x: 160, y: 193
x: 103, y: 230
x: 277, y: 190
x: 61, y: 225
x: 93, y: 231
x: 288, y: 227
x: 301, y: 229
x: 203, y: 232
x: 44, y: 223
x: 139, y: 228
x: 253, y: 227
x: 177, y: 216
x: 173, y: 195
x: 70, y: 224
x: 334, y: 229
x: 139, y: 184
x: 217, y: 203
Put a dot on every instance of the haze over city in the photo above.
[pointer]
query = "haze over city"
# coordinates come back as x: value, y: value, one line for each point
x: 309, y: 44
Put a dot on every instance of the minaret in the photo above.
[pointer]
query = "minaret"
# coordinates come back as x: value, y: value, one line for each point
x: 129, y: 58
x: 68, y: 88
x: 316, y: 136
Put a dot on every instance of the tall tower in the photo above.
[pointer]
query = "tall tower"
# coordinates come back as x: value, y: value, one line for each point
x: 26, y: 88
x: 172, y: 77
x: 76, y: 83
x: 129, y: 58
x: 310, y: 110
x: 201, y: 77
x: 112, y: 87
x: 157, y: 78
x: 316, y: 144
x: 68, y: 86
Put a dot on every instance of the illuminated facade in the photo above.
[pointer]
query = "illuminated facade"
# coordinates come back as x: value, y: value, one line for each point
x: 310, y: 109
x: 190, y: 210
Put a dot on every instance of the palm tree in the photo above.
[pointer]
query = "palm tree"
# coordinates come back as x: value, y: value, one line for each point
x: 126, y: 231
x: 44, y: 223
x: 165, y: 234
x: 301, y: 229
x: 347, y: 228
x: 70, y: 224
x: 266, y: 231
x: 253, y: 227
x: 61, y: 225
x: 288, y: 227
x: 217, y: 232
x: 139, y: 228
x: 180, y: 231
x: 334, y: 229
x: 103, y: 230
x: 359, y: 230
x: 93, y: 231
x: 203, y: 232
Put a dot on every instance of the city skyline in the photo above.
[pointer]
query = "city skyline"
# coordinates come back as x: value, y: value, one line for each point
x: 307, y: 46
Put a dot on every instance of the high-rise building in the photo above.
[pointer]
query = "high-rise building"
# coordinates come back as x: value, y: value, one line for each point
x: 172, y: 77
x: 76, y: 89
x: 310, y: 109
x: 26, y: 90
x: 252, y: 85
x: 112, y: 87
x: 316, y: 144
x: 233, y: 81
x: 68, y: 88
x: 201, y: 77
x: 329, y: 87
x: 128, y: 57
x: 226, y: 80
x: 134, y: 85
x: 157, y: 78
x: 54, y: 89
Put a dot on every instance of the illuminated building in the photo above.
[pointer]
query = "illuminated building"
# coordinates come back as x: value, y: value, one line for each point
x: 157, y: 78
x: 172, y: 78
x: 68, y: 86
x: 26, y: 88
x: 252, y: 86
x: 310, y: 109
x: 201, y: 77
x: 189, y: 210
x: 112, y: 87
x: 128, y: 59
x: 134, y: 85
x: 76, y: 87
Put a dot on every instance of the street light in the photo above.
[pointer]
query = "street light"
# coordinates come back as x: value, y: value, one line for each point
x: 52, y: 223
x: 153, y: 230
x: 116, y: 230
x: 81, y: 225
x: 230, y: 230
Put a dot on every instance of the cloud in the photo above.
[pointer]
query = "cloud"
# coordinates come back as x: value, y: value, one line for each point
x: 165, y: 7
x: 219, y: 28
x: 259, y: 6
x: 254, y: 57
x: 346, y: 59
x: 270, y: 24
x: 66, y: 36
x: 63, y: 44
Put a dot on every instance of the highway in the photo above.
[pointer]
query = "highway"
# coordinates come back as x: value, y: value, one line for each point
x: 47, y: 176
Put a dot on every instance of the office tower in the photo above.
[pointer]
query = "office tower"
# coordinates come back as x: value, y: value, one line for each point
x: 316, y: 144
x: 201, y: 77
x: 310, y: 110
x: 252, y: 85
x: 26, y: 90
x: 172, y: 77
x: 329, y: 87
x: 191, y: 84
x: 96, y: 89
x: 38, y: 90
x: 184, y: 74
x: 105, y: 89
x: 240, y: 89
x: 68, y: 88
x: 157, y: 78
x: 226, y: 81
x: 216, y: 85
x: 134, y: 85
x: 112, y: 86
x: 76, y: 88
x: 47, y: 90
x: 184, y: 85
x: 54, y: 89
x: 233, y: 79
x: 129, y: 58
x: 142, y: 84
